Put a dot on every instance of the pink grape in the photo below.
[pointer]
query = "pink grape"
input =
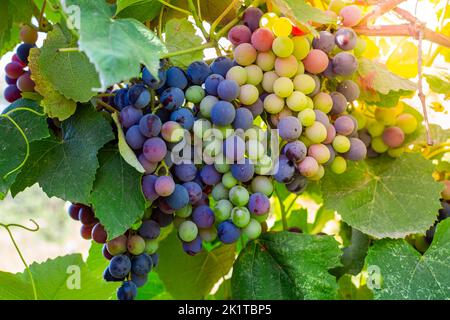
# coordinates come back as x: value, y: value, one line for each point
x: 164, y: 186
x: 308, y: 167
x: 351, y: 15
x: 393, y: 137
x: 239, y: 34
x: 245, y: 54
x: 14, y: 70
x: 25, y: 84
x: 286, y: 67
x: 316, y: 61
x: 262, y: 39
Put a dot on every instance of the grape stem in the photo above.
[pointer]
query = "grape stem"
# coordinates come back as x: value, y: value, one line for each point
x: 190, y: 50
x: 41, y: 15
x: 74, y: 49
x: 379, y: 10
x: 283, y: 210
x: 107, y: 106
x: 222, y: 15
x: 197, y: 19
x: 167, y: 4
x: 36, y: 228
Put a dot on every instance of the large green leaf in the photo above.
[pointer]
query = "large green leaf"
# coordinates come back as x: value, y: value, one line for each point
x: 154, y: 289
x: 142, y: 10
x: 12, y: 143
x: 63, y: 278
x: 117, y: 196
x: 187, y: 277
x: 286, y: 265
x: 180, y: 35
x: 406, y: 274
x: 385, y: 197
x: 439, y: 83
x: 12, y: 14
x: 70, y: 73
x: 66, y: 168
x: 303, y: 12
x: 117, y: 47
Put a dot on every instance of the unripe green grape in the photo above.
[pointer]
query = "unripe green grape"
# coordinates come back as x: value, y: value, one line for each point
x: 252, y: 230
x: 337, y: 5
x: 319, y: 152
x: 339, y: 165
x: 395, y: 152
x: 300, y: 68
x: 206, y: 105
x: 195, y: 94
x: 407, y: 122
x: 268, y: 80
x: 228, y: 180
x: 249, y: 94
x: 304, y: 83
x: 187, y: 231
x: 208, y: 235
x: 273, y: 104
x: 301, y: 47
x: 307, y: 117
x: 200, y: 127
x: 283, y: 87
x: 266, y: 60
x: 283, y: 47
x: 375, y: 128
x: 245, y: 54
x: 264, y: 165
x: 222, y: 167
x: 219, y: 192
x: 323, y: 102
x: 317, y: 132
x: 263, y: 185
x: 151, y: 246
x: 240, y: 216
x: 282, y: 27
x: 254, y: 74
x: 286, y: 67
x: 222, y: 210
x: 255, y: 133
x: 319, y: 174
x: 309, y: 103
x: 239, y: 196
x: 255, y: 149
x: 341, y: 144
x: 184, y: 212
x: 378, y: 145
x: 386, y: 116
x: 297, y: 101
x: 238, y: 74
x: 135, y: 245
x: 360, y: 119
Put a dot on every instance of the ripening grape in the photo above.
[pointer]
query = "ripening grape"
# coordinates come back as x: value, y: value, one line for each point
x: 263, y: 185
x: 222, y: 210
x: 319, y: 174
x: 341, y: 144
x: 301, y: 47
x: 339, y: 103
x: 349, y: 89
x: 358, y: 150
x: 164, y: 186
x: 28, y: 34
x: 304, y: 83
x: 344, y: 125
x: 135, y: 245
x: 324, y: 42
x: 331, y: 134
x: 24, y: 83
x: 339, y: 165
x: 266, y: 60
x: 307, y: 117
x: 245, y: 54
x: 350, y: 15
x: 378, y: 145
x: 262, y: 39
x: 308, y: 167
x: 344, y: 64
x: 239, y: 34
x: 323, y: 102
x: 346, y: 39
x: 249, y: 94
x: 393, y: 137
x: 319, y: 152
x: 283, y: 47
x: 268, y: 80
x: 254, y: 74
x: 407, y: 123
x: 289, y: 128
x: 297, y: 101
x: 273, y: 104
x: 151, y: 246
x: 316, y: 133
x: 283, y: 87
x: 238, y: 74
x: 386, y: 116
x: 117, y: 245
x: 286, y: 67
x: 171, y: 131
x: 316, y: 61
x: 375, y: 128
x: 252, y: 17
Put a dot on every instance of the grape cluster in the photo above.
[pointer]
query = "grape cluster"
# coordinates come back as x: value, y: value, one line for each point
x: 18, y: 77
x: 90, y: 226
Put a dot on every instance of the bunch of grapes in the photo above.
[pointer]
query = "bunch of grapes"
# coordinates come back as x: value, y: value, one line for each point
x: 18, y: 77
x: 386, y: 131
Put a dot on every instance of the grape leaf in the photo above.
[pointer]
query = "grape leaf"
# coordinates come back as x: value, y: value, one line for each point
x: 154, y: 289
x: 66, y: 167
x: 63, y: 278
x: 117, y: 196
x: 286, y: 265
x: 12, y: 14
x: 439, y: 83
x: 127, y: 153
x: 70, y: 73
x: 187, y: 277
x: 180, y: 35
x: 385, y: 197
x: 52, y: 12
x: 348, y: 290
x: 54, y: 103
x: 142, y: 10
x: 12, y: 142
x: 408, y: 275
x: 125, y: 43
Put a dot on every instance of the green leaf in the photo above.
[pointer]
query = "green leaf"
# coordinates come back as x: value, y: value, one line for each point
x: 70, y: 73
x: 439, y: 83
x: 54, y: 103
x: 385, y: 197
x: 180, y: 35
x: 349, y: 291
x: 125, y: 43
x: 12, y: 14
x: 117, y: 195
x: 66, y: 168
x: 12, y: 143
x: 63, y: 278
x: 406, y: 274
x: 142, y: 10
x: 187, y: 277
x: 154, y: 289
x: 286, y: 265
x: 126, y: 152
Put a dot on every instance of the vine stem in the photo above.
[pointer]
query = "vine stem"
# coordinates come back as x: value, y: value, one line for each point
x: 36, y: 228
x: 193, y: 49
x: 167, y: 4
x: 283, y: 211
x: 197, y: 19
x: 107, y: 106
x: 379, y: 10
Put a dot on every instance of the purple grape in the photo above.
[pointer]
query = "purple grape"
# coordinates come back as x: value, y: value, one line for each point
x: 349, y: 89
x: 141, y: 264
x: 109, y: 278
x: 212, y: 82
x: 289, y: 128
x: 258, y: 204
x: 286, y: 170
x: 139, y: 280
x: 150, y: 125
x: 328, y: 73
x: 194, y: 247
x: 221, y: 65
x: 365, y: 137
x: 23, y: 51
x: 324, y: 42
x: 344, y: 125
x: 155, y: 259
x: 9, y: 80
x: 163, y: 219
x: 203, y: 201
x: 203, y: 217
x: 185, y: 172
x: 227, y: 232
x: 130, y: 116
x: 134, y: 138
x: 339, y: 103
x: 228, y: 90
x: 197, y: 72
x: 322, y: 117
x: 243, y: 119
x: 172, y: 98
x: 164, y: 206
x: 139, y: 96
x: 179, y: 198
x: 295, y: 151
x: 251, y: 18
x: 234, y: 148
x: 149, y: 229
x: 358, y: 150
x: 346, y: 39
x: 176, y: 78
x: 256, y: 109
x: 194, y: 190
x: 149, y: 167
x: 154, y: 149
x: 344, y: 64
x: 239, y: 34
x: 121, y: 98
x: 148, y: 187
x: 243, y: 172
x: 223, y: 113
x: 184, y: 117
x: 151, y: 81
x: 332, y: 154
x: 119, y: 266
x: 318, y: 86
x: 12, y: 93
x: 298, y: 184
x: 210, y: 176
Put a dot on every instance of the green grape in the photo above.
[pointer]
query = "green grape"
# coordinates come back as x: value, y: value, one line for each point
x: 268, y: 19
x: 360, y: 47
x: 238, y: 74
x: 200, y: 127
x: 360, y: 119
x: 300, y: 68
x: 266, y: 60
x: 273, y: 104
x: 341, y: 144
x: 283, y: 47
x: 323, y: 102
x: 222, y: 167
x: 261, y: 218
x: 301, y: 47
x: 195, y: 94
x: 339, y: 165
x: 316, y: 133
x: 385, y: 116
x: 307, y: 117
x: 255, y: 149
x: 282, y: 27
x: 297, y: 101
x: 228, y: 180
x: 263, y: 185
x: 249, y: 94
x: 184, y: 212
x: 240, y: 216
x: 304, y: 83
x: 177, y: 221
x: 252, y: 230
x: 407, y: 122
x: 283, y: 87
x: 187, y: 231
x: 206, y: 105
x: 319, y: 174
x: 268, y: 80
x: 220, y: 192
x: 396, y: 152
x: 378, y: 145
x: 226, y: 131
x: 239, y: 196
x: 151, y: 246
x: 254, y: 74
x: 375, y: 128
x: 305, y: 140
x: 222, y: 210
x: 264, y: 165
